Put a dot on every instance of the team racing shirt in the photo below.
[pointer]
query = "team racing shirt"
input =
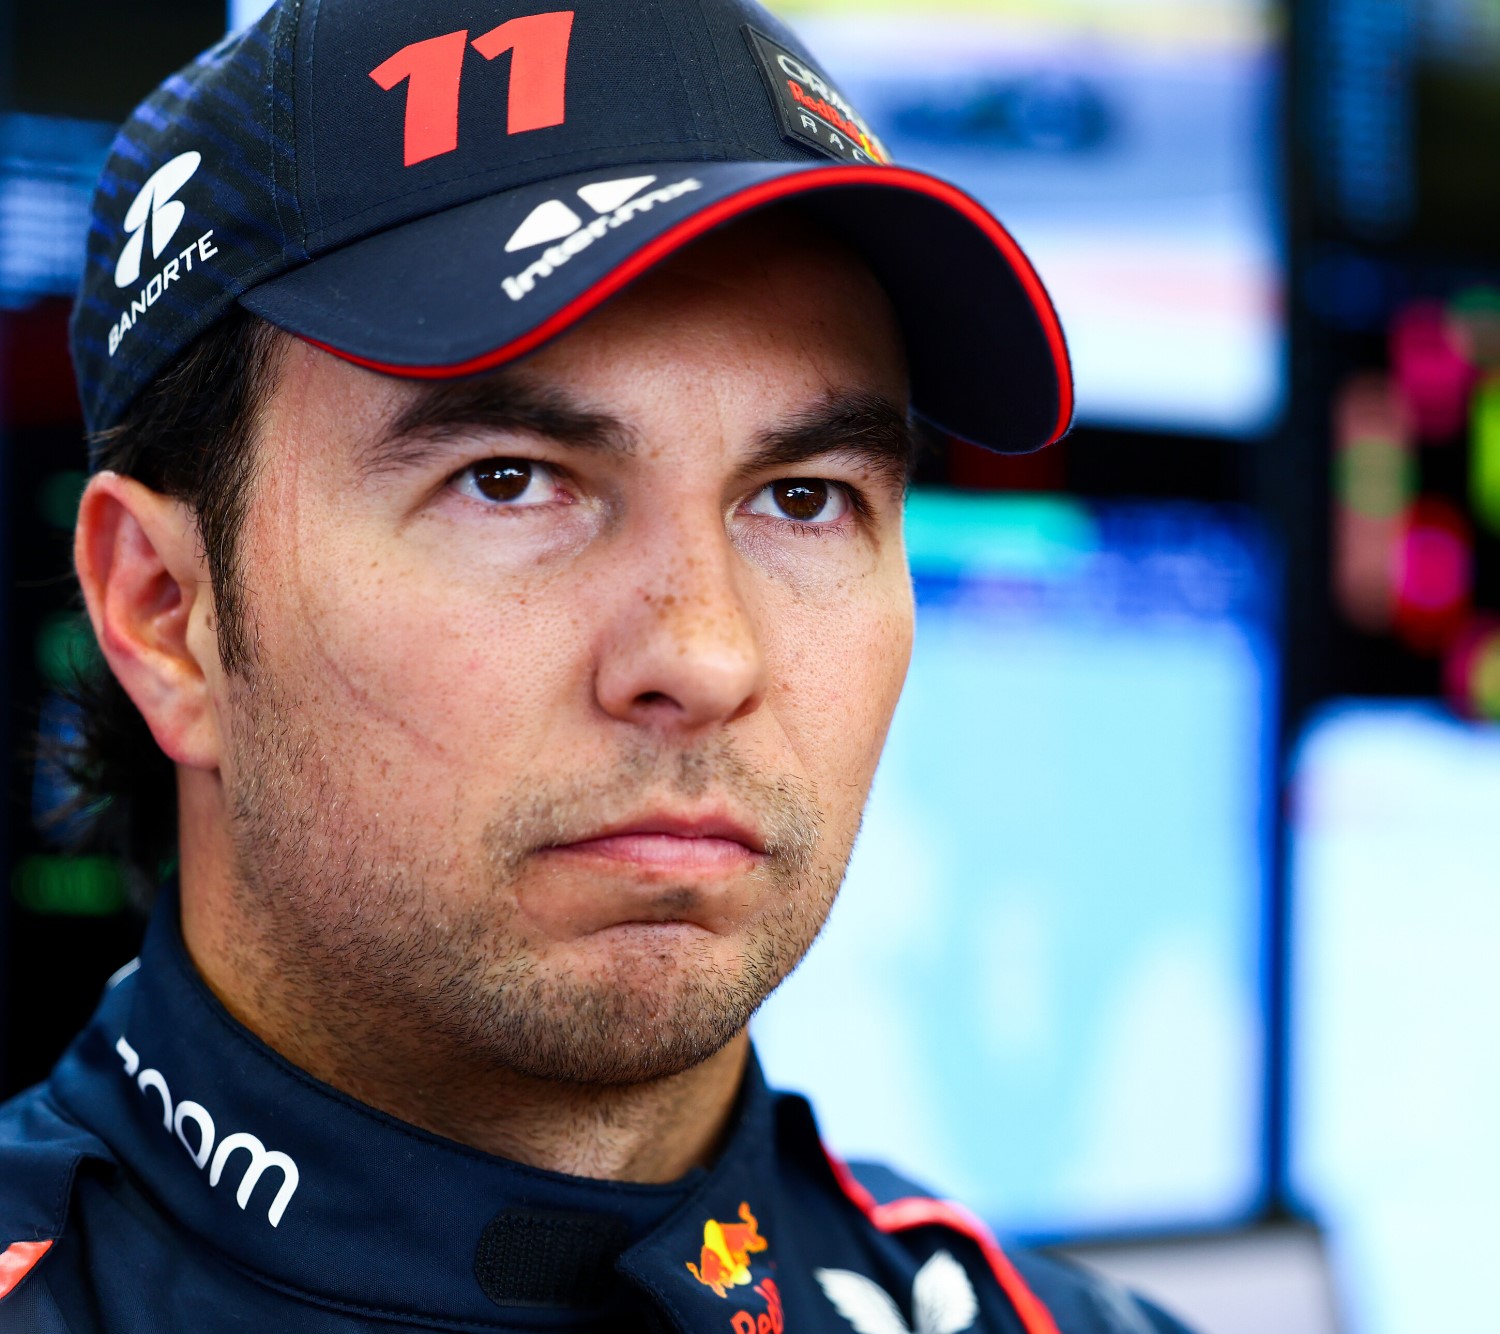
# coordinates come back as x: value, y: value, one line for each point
x: 176, y: 1174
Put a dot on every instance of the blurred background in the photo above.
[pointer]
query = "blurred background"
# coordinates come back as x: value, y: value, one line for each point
x: 1170, y: 939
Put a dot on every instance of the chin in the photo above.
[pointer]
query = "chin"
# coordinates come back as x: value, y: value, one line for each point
x: 639, y: 1018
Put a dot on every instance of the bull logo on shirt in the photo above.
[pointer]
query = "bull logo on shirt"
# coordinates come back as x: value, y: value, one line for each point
x: 727, y: 1247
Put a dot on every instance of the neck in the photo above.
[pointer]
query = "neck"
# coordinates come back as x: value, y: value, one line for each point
x: 648, y: 1132
x: 652, y: 1132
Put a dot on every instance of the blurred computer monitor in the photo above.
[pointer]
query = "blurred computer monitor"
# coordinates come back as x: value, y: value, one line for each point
x: 1132, y: 147
x: 1403, y: 113
x: 1041, y: 987
x: 1395, y: 1087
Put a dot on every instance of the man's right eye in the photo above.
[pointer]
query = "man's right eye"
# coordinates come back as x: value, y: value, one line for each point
x: 512, y: 483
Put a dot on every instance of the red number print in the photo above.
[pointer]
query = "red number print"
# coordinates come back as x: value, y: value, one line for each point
x: 434, y: 68
x: 433, y: 71
x: 538, y: 67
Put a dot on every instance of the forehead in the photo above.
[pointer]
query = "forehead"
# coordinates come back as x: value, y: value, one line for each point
x: 760, y: 318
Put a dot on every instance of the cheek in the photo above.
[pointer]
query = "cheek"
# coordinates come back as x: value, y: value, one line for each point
x: 432, y: 680
x: 836, y: 675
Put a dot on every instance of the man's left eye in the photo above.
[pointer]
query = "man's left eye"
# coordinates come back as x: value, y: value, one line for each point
x: 802, y: 500
x: 508, y: 483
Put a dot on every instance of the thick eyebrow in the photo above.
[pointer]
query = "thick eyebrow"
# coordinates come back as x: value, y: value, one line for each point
x: 855, y: 424
x: 870, y: 429
x: 450, y: 409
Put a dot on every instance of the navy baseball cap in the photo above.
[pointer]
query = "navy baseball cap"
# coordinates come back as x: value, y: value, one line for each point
x: 435, y: 189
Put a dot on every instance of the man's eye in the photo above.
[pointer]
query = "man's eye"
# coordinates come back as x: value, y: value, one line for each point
x: 509, y: 482
x: 803, y: 500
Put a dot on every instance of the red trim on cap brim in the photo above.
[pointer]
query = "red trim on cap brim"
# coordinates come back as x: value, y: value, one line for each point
x: 744, y: 201
x: 922, y: 1211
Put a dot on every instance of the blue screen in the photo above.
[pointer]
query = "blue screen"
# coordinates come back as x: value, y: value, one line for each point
x: 1040, y: 989
x: 1395, y: 1090
x: 48, y: 166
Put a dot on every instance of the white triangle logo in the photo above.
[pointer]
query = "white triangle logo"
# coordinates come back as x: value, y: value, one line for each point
x: 607, y: 196
x: 553, y: 220
x: 549, y: 221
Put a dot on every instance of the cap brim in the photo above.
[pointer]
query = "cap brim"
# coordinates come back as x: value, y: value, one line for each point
x: 442, y: 296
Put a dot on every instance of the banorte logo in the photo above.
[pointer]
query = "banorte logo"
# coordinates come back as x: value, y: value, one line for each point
x: 157, y: 210
x: 155, y: 205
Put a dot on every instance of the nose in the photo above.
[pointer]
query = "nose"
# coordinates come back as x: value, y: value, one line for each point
x: 683, y: 651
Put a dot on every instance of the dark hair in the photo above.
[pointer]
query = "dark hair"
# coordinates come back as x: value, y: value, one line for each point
x: 190, y: 435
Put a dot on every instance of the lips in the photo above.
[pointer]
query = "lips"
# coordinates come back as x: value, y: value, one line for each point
x: 674, y: 842
x: 716, y: 826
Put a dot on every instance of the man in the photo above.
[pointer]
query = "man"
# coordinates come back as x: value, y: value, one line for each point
x: 497, y: 526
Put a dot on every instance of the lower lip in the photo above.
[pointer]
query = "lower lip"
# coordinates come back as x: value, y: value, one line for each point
x: 665, y: 852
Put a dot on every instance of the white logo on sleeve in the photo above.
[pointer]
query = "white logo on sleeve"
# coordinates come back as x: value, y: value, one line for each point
x: 258, y: 1159
x: 155, y: 210
x: 942, y: 1299
x: 555, y: 220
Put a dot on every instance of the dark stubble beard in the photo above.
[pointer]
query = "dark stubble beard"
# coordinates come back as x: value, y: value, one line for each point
x: 374, y: 938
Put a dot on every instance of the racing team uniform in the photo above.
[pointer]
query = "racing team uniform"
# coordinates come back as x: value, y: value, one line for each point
x: 176, y: 1175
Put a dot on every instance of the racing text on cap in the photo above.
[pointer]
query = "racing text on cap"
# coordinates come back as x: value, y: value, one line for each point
x: 811, y: 110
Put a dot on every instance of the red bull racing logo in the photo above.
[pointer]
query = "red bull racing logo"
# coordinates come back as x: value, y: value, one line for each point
x: 724, y: 1263
x: 727, y: 1248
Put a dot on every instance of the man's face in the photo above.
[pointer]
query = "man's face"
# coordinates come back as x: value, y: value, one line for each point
x: 568, y: 684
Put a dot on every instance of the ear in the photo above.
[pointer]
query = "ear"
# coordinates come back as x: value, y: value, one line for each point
x: 145, y: 580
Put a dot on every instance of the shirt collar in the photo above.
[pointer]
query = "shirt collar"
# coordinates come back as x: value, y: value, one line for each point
x: 338, y: 1202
